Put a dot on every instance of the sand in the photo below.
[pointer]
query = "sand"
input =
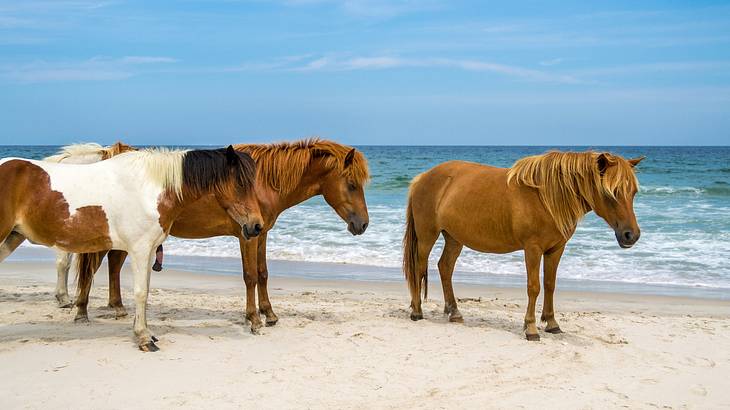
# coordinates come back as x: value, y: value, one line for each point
x: 348, y: 344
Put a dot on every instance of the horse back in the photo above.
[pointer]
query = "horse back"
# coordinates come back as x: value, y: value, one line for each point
x: 477, y: 206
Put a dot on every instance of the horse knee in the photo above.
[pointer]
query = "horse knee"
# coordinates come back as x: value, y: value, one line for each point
x: 263, y: 274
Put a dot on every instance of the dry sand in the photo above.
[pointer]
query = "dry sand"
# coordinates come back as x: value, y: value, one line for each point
x: 344, y: 344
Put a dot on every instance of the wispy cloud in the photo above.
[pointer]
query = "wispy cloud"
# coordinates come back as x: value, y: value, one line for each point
x: 552, y: 62
x: 389, y: 62
x: 673, y: 66
x: 93, y: 69
x: 373, y: 8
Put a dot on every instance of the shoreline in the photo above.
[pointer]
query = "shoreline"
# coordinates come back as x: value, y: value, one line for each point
x: 325, y: 271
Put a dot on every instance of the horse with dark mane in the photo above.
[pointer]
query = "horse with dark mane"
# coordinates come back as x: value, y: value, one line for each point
x: 287, y: 174
x: 128, y: 202
x: 534, y: 206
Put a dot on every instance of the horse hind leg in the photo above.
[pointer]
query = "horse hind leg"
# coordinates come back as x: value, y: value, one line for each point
x: 63, y: 263
x: 452, y: 250
x: 12, y: 241
x: 115, y: 260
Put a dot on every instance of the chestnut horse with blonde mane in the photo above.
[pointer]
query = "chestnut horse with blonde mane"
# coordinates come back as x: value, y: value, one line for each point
x: 135, y: 199
x: 534, y: 206
x: 287, y: 174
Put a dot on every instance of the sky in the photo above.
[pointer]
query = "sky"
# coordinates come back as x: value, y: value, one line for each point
x: 366, y: 72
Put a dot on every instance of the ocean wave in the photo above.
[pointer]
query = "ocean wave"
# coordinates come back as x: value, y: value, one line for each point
x: 719, y: 188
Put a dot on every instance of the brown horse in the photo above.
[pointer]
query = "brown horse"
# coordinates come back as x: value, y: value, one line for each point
x: 287, y: 174
x: 534, y: 206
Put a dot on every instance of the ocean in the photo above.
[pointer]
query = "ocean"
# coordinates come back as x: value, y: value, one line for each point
x: 683, y: 209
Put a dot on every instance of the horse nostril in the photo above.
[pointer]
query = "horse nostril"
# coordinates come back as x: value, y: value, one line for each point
x: 628, y: 235
x: 257, y: 229
x: 364, y: 226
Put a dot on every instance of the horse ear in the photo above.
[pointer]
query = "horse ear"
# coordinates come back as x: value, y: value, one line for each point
x: 604, y: 161
x: 232, y: 156
x: 634, y: 162
x: 349, y: 157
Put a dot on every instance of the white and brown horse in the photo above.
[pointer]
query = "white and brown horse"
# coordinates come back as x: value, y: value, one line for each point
x: 128, y: 203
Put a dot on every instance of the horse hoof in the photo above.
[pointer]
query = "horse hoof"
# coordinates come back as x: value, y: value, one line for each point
x: 533, y: 338
x: 271, y: 322
x: 555, y: 331
x: 416, y: 316
x: 149, y: 347
x: 154, y: 339
x: 120, y: 313
x: 65, y: 304
x: 456, y: 319
x: 81, y: 319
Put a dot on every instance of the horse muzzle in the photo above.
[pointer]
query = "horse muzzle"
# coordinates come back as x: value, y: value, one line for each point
x: 356, y: 225
x: 626, y: 238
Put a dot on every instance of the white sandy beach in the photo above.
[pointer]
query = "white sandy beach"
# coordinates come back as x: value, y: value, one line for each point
x: 347, y: 344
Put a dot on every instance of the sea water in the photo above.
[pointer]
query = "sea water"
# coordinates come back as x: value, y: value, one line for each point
x: 683, y: 208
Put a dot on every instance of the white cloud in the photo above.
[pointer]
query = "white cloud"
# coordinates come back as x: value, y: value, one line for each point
x: 93, y: 69
x: 388, y: 62
x: 552, y: 62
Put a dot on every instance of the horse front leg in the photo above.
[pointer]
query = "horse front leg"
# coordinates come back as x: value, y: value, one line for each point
x: 63, y: 263
x: 141, y: 266
x: 116, y: 261
x: 250, y: 278
x: 550, y: 271
x: 263, y: 271
x: 532, y: 262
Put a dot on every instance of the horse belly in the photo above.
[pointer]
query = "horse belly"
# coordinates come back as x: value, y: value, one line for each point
x: 86, y: 230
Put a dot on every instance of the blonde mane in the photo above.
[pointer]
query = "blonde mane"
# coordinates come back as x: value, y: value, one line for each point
x: 164, y: 166
x: 90, y: 148
x: 567, y: 182
x: 282, y: 165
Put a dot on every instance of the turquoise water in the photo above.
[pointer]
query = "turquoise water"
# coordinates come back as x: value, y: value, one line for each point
x: 683, y: 208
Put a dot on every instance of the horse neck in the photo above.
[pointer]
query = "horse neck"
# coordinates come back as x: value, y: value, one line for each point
x: 309, y: 186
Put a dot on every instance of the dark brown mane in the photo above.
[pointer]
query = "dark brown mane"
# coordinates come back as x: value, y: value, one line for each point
x: 282, y: 165
x: 209, y: 170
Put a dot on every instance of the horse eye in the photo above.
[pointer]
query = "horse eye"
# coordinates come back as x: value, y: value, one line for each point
x: 351, y: 186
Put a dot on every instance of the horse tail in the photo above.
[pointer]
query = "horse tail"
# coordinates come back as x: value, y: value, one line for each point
x: 414, y: 277
x: 86, y: 266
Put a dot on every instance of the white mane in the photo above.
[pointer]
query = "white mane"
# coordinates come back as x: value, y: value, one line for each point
x: 77, y: 151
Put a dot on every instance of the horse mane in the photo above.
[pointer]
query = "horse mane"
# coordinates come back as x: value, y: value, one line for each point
x: 89, y: 148
x: 282, y: 165
x: 195, y: 171
x: 567, y: 182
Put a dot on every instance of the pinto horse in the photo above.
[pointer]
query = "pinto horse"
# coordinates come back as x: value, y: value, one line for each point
x: 128, y: 203
x: 534, y: 206
x: 287, y: 174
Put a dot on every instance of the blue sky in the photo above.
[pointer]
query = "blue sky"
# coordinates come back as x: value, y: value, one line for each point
x: 365, y: 72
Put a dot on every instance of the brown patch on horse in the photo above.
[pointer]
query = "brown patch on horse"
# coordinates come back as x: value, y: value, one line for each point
x: 44, y: 215
x: 282, y: 165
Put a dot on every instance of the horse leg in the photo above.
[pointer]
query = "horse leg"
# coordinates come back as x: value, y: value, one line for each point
x: 141, y: 266
x: 63, y: 263
x: 10, y: 244
x: 550, y: 268
x: 424, y: 247
x: 250, y: 278
x: 82, y: 297
x: 532, y: 262
x: 452, y: 250
x: 115, y: 260
x: 263, y: 271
